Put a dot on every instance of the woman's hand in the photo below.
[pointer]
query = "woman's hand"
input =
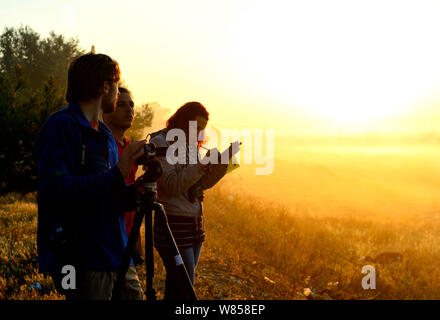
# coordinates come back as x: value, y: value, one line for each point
x: 234, y: 148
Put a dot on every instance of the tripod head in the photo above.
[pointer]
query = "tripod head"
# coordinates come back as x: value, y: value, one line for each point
x: 146, y: 184
x: 153, y: 171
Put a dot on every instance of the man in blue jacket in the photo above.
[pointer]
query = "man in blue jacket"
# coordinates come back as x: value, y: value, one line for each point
x: 82, y: 194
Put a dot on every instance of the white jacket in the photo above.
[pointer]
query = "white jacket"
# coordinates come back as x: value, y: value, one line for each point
x: 177, y: 179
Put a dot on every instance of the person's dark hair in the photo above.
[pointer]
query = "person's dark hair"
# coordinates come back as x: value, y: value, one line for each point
x: 124, y: 90
x: 86, y: 75
x: 189, y: 111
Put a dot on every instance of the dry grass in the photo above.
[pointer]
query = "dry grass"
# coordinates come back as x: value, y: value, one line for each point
x: 258, y: 248
x: 18, y: 251
x: 323, y: 252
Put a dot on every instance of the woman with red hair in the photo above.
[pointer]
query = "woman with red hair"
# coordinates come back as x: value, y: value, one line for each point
x: 180, y: 190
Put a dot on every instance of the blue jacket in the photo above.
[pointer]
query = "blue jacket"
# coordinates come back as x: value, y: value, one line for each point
x: 94, y: 199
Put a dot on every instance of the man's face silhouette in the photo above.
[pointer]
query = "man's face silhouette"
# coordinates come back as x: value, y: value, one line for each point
x: 109, y: 99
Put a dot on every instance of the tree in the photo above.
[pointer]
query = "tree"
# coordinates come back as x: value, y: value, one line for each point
x: 40, y: 59
x: 33, y: 74
x: 161, y: 116
x: 150, y: 117
x: 143, y: 117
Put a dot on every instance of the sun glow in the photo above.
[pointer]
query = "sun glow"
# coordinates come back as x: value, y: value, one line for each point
x: 352, y: 62
x: 303, y: 67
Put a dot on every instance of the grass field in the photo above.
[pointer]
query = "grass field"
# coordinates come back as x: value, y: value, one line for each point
x: 275, y: 237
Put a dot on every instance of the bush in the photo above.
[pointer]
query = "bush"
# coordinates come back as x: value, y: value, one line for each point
x: 32, y: 86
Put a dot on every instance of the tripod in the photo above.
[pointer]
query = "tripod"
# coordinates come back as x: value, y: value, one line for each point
x: 145, y: 205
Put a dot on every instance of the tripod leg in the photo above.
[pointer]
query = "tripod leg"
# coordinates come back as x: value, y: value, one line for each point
x: 149, y: 257
x: 184, y: 280
x: 126, y: 259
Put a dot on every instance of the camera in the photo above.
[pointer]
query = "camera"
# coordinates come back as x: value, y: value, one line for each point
x: 149, y: 153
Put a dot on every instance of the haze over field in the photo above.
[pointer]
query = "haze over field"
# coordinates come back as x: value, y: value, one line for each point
x: 376, y: 180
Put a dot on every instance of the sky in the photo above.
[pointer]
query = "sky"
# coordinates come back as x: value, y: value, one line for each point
x: 299, y: 67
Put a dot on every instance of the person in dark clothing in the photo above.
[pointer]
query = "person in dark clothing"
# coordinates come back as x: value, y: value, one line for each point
x: 82, y: 195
